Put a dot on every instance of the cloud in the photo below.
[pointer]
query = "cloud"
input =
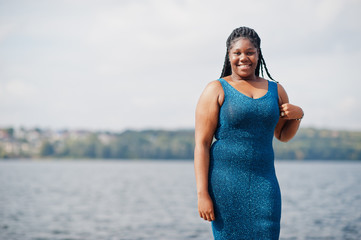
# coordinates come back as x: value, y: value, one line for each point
x: 348, y: 105
x: 120, y: 64
x: 19, y: 89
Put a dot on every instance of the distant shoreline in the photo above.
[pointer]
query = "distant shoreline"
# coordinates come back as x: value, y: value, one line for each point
x: 35, y: 143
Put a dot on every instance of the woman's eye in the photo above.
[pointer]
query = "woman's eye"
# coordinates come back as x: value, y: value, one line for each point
x: 247, y: 53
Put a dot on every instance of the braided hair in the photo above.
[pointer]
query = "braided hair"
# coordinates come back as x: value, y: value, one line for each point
x: 251, y: 35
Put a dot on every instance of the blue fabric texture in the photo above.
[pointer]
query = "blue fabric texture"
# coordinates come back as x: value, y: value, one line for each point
x: 242, y: 179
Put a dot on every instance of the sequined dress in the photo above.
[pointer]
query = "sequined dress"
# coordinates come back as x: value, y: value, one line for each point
x: 242, y: 180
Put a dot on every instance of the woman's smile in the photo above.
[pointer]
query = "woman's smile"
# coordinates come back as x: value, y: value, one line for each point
x: 244, y: 66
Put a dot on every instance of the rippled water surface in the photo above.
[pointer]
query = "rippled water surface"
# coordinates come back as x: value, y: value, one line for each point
x: 137, y: 200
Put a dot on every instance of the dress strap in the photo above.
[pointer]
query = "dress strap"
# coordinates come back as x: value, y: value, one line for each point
x: 224, y: 84
x: 221, y: 80
x: 273, y: 88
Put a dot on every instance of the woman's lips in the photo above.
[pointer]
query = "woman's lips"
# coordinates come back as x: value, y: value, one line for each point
x: 244, y: 66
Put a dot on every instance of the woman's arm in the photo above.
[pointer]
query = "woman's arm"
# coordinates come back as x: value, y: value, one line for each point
x: 287, y: 125
x: 206, y: 123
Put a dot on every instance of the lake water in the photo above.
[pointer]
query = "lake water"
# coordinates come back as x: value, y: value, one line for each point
x: 134, y: 200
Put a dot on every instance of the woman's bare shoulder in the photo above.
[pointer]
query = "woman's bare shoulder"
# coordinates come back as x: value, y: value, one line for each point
x: 213, y: 90
x: 214, y: 86
x: 282, y: 94
x: 279, y: 86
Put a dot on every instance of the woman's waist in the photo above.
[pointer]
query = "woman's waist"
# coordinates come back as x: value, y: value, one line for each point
x: 244, y: 132
x: 243, y: 145
x: 243, y: 171
x: 240, y: 135
x: 244, y: 155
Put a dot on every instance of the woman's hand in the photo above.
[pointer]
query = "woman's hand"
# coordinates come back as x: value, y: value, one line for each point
x: 289, y: 111
x: 205, y: 207
x: 285, y: 130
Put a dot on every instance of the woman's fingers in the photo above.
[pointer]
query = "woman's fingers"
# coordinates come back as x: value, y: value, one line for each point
x: 207, y: 216
x: 203, y: 215
x: 212, y: 218
x: 282, y: 111
x: 290, y: 111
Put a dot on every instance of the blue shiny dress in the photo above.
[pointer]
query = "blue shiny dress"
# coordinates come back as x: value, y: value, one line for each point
x: 242, y: 180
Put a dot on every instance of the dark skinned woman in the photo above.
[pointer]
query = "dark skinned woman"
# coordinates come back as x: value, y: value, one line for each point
x: 236, y: 182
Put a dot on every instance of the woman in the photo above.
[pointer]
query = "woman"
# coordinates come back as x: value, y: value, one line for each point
x: 236, y: 183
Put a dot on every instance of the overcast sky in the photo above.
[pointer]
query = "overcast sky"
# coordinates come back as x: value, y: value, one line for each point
x: 114, y: 65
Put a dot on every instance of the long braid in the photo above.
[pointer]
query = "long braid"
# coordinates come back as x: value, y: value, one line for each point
x: 263, y: 64
x: 250, y: 34
x: 226, y: 67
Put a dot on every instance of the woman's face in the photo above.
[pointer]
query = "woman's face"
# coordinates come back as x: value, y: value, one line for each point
x: 243, y: 56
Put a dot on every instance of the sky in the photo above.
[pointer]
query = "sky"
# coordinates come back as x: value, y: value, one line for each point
x: 116, y: 65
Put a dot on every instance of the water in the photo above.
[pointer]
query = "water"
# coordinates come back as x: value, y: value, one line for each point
x: 134, y: 200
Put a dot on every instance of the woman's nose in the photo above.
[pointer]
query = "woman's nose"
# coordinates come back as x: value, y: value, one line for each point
x: 243, y: 57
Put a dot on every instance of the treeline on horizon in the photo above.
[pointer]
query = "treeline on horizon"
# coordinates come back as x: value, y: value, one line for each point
x: 308, y: 144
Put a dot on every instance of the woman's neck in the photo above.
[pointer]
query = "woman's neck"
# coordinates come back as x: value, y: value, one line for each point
x: 234, y: 77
